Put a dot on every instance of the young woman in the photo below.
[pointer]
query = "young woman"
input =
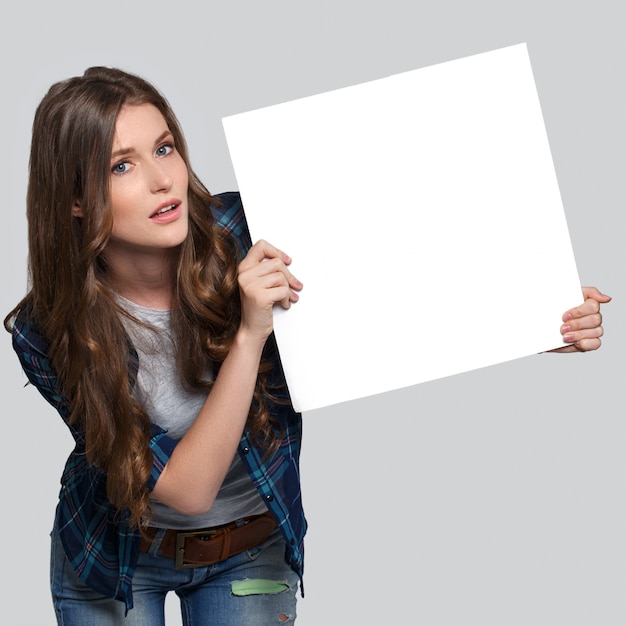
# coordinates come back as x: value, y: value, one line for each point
x: 148, y: 326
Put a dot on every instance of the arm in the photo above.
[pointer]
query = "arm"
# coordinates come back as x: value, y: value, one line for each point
x: 196, y: 469
x: 582, y: 325
x: 32, y: 351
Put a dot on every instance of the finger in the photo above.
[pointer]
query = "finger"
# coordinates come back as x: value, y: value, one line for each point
x: 592, y: 292
x: 588, y: 307
x: 587, y: 345
x: 279, y: 286
x: 271, y: 266
x: 581, y: 323
x: 286, y: 301
x: 584, y: 345
x: 268, y: 289
x: 264, y: 258
x: 281, y: 294
x: 583, y: 335
x: 252, y: 286
x: 262, y: 250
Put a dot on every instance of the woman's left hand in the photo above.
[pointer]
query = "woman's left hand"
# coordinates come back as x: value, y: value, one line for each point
x: 582, y: 325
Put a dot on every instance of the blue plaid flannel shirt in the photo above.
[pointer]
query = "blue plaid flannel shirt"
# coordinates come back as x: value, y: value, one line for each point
x: 98, y: 541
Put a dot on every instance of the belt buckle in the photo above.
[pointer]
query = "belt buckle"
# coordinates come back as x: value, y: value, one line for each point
x: 179, y: 561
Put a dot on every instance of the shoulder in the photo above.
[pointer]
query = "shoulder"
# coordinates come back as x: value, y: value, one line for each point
x: 27, y: 337
x: 230, y: 217
x: 32, y: 350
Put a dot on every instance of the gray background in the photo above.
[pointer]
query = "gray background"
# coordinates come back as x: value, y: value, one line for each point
x: 489, y: 498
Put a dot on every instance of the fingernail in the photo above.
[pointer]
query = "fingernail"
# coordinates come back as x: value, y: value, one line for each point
x: 565, y: 328
x: 569, y: 337
x: 567, y: 317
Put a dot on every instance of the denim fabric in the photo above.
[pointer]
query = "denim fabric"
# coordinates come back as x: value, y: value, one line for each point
x: 255, y: 588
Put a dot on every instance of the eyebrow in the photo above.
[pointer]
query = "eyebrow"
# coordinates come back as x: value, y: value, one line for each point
x: 125, y: 151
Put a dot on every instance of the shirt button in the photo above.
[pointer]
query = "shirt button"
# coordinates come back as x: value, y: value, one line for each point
x: 269, y: 497
x: 245, y: 450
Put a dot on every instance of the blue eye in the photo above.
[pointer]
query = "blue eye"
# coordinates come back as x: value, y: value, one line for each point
x: 165, y: 149
x: 120, y: 168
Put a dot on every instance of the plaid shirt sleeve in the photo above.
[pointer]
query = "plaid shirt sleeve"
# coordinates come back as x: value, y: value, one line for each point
x: 231, y: 219
x: 102, y: 548
x: 277, y: 479
x: 31, y: 350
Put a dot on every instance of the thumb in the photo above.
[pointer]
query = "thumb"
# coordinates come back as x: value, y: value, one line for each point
x: 595, y: 294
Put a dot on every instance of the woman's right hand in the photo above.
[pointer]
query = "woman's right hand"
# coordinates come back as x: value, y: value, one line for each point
x: 264, y: 280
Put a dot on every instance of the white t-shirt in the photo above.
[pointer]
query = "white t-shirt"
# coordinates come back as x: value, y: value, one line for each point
x: 173, y: 407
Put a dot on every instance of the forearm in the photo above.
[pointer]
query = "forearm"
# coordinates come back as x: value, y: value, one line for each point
x: 194, y: 473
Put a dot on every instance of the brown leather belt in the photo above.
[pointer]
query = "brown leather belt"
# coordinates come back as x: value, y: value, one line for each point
x: 211, y: 545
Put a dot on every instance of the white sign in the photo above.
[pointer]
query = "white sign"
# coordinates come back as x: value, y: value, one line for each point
x: 424, y: 218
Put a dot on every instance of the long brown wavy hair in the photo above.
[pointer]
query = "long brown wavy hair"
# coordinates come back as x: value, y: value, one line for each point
x: 69, y: 297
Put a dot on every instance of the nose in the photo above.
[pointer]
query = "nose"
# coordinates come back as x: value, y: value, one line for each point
x: 160, y: 178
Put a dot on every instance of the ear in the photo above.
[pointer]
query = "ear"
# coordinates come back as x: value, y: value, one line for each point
x: 77, y: 210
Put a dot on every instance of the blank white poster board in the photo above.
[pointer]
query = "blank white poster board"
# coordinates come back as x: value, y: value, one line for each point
x: 424, y: 217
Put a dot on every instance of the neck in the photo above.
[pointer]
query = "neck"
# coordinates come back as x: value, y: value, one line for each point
x: 145, y: 280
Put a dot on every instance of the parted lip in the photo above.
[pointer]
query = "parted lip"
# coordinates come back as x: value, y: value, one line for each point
x: 172, y: 202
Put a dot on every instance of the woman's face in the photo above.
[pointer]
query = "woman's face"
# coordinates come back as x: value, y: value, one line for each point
x: 148, y: 185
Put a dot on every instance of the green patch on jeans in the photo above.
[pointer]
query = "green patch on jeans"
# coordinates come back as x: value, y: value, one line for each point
x: 257, y: 586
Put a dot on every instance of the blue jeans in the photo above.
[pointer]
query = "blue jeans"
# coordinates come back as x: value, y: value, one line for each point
x: 255, y: 588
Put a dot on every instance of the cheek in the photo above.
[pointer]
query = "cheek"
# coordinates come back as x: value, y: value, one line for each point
x: 180, y: 173
x: 121, y: 201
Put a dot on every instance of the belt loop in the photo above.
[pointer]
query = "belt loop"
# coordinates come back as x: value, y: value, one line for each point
x: 156, y: 541
x: 225, y: 544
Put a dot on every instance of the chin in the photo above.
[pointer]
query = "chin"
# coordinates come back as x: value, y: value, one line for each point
x: 178, y: 238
